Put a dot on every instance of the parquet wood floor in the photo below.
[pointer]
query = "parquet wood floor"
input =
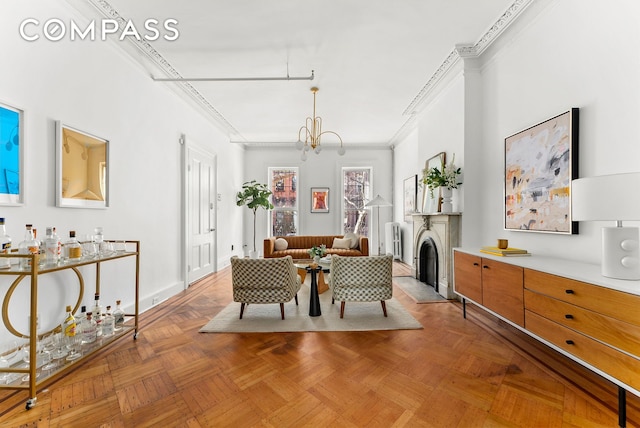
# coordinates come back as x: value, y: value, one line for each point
x: 454, y: 373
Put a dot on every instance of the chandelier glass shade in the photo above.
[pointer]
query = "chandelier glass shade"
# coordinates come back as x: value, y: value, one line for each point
x: 310, y: 134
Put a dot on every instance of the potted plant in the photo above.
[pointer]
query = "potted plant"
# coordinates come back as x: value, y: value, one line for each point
x: 445, y: 178
x: 316, y: 252
x: 254, y: 195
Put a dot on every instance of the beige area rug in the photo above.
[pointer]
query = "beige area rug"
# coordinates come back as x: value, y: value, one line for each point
x: 417, y: 290
x: 358, y: 316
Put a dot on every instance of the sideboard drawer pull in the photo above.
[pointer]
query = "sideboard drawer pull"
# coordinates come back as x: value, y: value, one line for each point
x: 569, y: 342
x: 568, y: 291
x: 476, y: 264
x: 569, y: 316
x: 485, y: 267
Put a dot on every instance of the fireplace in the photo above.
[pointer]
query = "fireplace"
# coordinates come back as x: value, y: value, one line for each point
x: 434, y: 237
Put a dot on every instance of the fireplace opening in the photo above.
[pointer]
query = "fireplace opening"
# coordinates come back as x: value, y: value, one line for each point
x: 428, y: 263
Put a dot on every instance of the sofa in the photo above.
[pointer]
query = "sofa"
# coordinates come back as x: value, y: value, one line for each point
x: 297, y: 246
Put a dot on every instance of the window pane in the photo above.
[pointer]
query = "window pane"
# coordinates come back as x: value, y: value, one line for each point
x: 356, y: 189
x: 284, y: 222
x: 284, y: 188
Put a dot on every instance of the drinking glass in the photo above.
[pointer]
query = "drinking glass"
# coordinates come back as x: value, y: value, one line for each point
x: 74, y: 344
x: 120, y: 246
x: 60, y: 347
x: 8, y: 351
x: 48, y: 348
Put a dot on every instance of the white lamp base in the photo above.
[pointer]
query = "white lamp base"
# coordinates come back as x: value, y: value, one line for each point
x: 620, y: 253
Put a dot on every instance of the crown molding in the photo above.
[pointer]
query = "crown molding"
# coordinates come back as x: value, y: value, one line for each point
x: 466, y: 51
x: 144, y: 47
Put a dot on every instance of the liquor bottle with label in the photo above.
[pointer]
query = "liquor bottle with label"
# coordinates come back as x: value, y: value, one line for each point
x: 108, y: 323
x: 69, y: 323
x: 97, y: 313
x: 5, y: 246
x: 72, y: 248
x: 51, y: 248
x: 89, y: 329
x: 28, y: 246
x: 118, y: 315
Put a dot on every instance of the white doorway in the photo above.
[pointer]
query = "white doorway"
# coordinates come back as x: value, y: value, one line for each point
x: 200, y: 212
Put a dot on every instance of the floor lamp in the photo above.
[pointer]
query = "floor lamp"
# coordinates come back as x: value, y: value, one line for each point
x: 377, y: 202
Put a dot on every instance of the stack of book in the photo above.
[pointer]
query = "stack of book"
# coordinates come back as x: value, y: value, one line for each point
x: 506, y: 252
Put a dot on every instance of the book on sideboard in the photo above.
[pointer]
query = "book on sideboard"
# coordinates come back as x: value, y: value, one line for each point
x: 505, y: 252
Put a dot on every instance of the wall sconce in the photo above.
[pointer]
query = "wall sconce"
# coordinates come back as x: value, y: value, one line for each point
x: 612, y: 197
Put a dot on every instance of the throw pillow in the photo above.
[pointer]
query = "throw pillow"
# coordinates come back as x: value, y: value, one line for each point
x: 355, y: 240
x: 344, y: 244
x: 281, y: 244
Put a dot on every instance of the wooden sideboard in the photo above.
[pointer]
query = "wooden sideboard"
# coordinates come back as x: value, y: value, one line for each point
x: 567, y: 305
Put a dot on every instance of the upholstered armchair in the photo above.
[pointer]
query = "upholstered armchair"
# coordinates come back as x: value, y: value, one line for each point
x: 361, y: 279
x: 273, y: 280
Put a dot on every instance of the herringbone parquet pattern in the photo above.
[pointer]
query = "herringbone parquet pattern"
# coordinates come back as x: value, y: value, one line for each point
x: 454, y: 373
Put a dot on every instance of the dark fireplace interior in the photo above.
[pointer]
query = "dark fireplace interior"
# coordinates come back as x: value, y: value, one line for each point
x: 428, y: 263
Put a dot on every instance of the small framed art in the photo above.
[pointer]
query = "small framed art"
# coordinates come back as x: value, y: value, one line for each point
x: 319, y: 199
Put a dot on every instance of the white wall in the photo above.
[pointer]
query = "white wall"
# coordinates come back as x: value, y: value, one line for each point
x: 557, y: 55
x: 319, y: 170
x: 93, y: 86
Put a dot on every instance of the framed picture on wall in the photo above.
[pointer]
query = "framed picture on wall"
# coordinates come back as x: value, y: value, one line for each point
x: 540, y: 163
x: 409, y: 197
x: 319, y: 199
x: 11, y: 155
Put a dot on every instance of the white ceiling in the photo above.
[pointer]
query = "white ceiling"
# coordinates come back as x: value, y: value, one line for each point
x: 371, y: 58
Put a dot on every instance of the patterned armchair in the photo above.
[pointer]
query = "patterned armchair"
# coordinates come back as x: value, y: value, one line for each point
x: 273, y: 280
x: 361, y: 279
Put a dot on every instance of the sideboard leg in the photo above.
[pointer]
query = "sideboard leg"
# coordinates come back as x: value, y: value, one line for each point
x: 464, y: 308
x: 622, y: 407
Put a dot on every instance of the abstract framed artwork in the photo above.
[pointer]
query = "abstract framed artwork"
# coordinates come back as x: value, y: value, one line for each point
x: 11, y: 155
x: 540, y: 163
x: 319, y: 199
x: 82, y: 173
x: 409, y: 197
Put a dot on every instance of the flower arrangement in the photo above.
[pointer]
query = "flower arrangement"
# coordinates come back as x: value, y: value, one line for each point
x: 318, y: 251
x: 445, y: 177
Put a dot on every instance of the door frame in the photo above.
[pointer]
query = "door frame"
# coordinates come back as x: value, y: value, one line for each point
x: 187, y: 146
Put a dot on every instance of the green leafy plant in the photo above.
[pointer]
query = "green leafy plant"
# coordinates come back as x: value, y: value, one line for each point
x: 317, y: 251
x: 446, y: 176
x: 254, y: 195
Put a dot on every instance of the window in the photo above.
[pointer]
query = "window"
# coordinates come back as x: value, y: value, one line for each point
x: 356, y: 190
x: 283, y: 219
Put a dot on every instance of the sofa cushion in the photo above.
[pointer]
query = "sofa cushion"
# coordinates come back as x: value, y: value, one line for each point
x: 353, y: 238
x: 341, y: 243
x: 281, y: 244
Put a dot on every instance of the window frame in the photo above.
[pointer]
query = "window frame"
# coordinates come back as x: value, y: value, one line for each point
x: 295, y: 187
x: 367, y: 196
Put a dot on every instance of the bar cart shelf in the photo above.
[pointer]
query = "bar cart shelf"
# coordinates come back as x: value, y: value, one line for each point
x: 37, y: 377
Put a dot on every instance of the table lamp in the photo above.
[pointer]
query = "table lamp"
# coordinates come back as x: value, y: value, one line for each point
x: 378, y: 202
x: 612, y: 197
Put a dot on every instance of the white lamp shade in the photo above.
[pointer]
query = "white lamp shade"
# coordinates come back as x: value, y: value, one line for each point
x: 378, y: 201
x: 606, y: 197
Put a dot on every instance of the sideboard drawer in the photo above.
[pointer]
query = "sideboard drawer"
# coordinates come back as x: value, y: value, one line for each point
x: 615, y: 363
x: 613, y: 303
x: 616, y: 333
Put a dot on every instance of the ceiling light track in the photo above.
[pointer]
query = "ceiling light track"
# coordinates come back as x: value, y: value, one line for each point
x: 229, y: 79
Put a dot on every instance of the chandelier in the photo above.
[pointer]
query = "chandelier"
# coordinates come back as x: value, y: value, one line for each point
x: 313, y: 133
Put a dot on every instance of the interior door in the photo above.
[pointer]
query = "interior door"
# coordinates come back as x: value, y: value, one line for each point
x: 201, y: 214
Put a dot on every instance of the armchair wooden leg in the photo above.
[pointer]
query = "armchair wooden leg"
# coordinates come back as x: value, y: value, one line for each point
x: 282, y: 310
x: 296, y: 300
x: 384, y: 307
x: 241, y: 309
x: 342, y: 309
x: 333, y: 300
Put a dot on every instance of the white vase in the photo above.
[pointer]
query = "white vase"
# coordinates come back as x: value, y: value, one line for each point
x: 446, y: 194
x: 316, y: 259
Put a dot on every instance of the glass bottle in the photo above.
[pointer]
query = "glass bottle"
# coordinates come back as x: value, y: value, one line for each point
x: 108, y: 323
x: 69, y: 323
x: 72, y: 248
x: 28, y: 246
x: 57, y: 238
x: 97, y: 314
x: 51, y: 248
x: 5, y: 246
x: 89, y: 329
x: 118, y: 316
